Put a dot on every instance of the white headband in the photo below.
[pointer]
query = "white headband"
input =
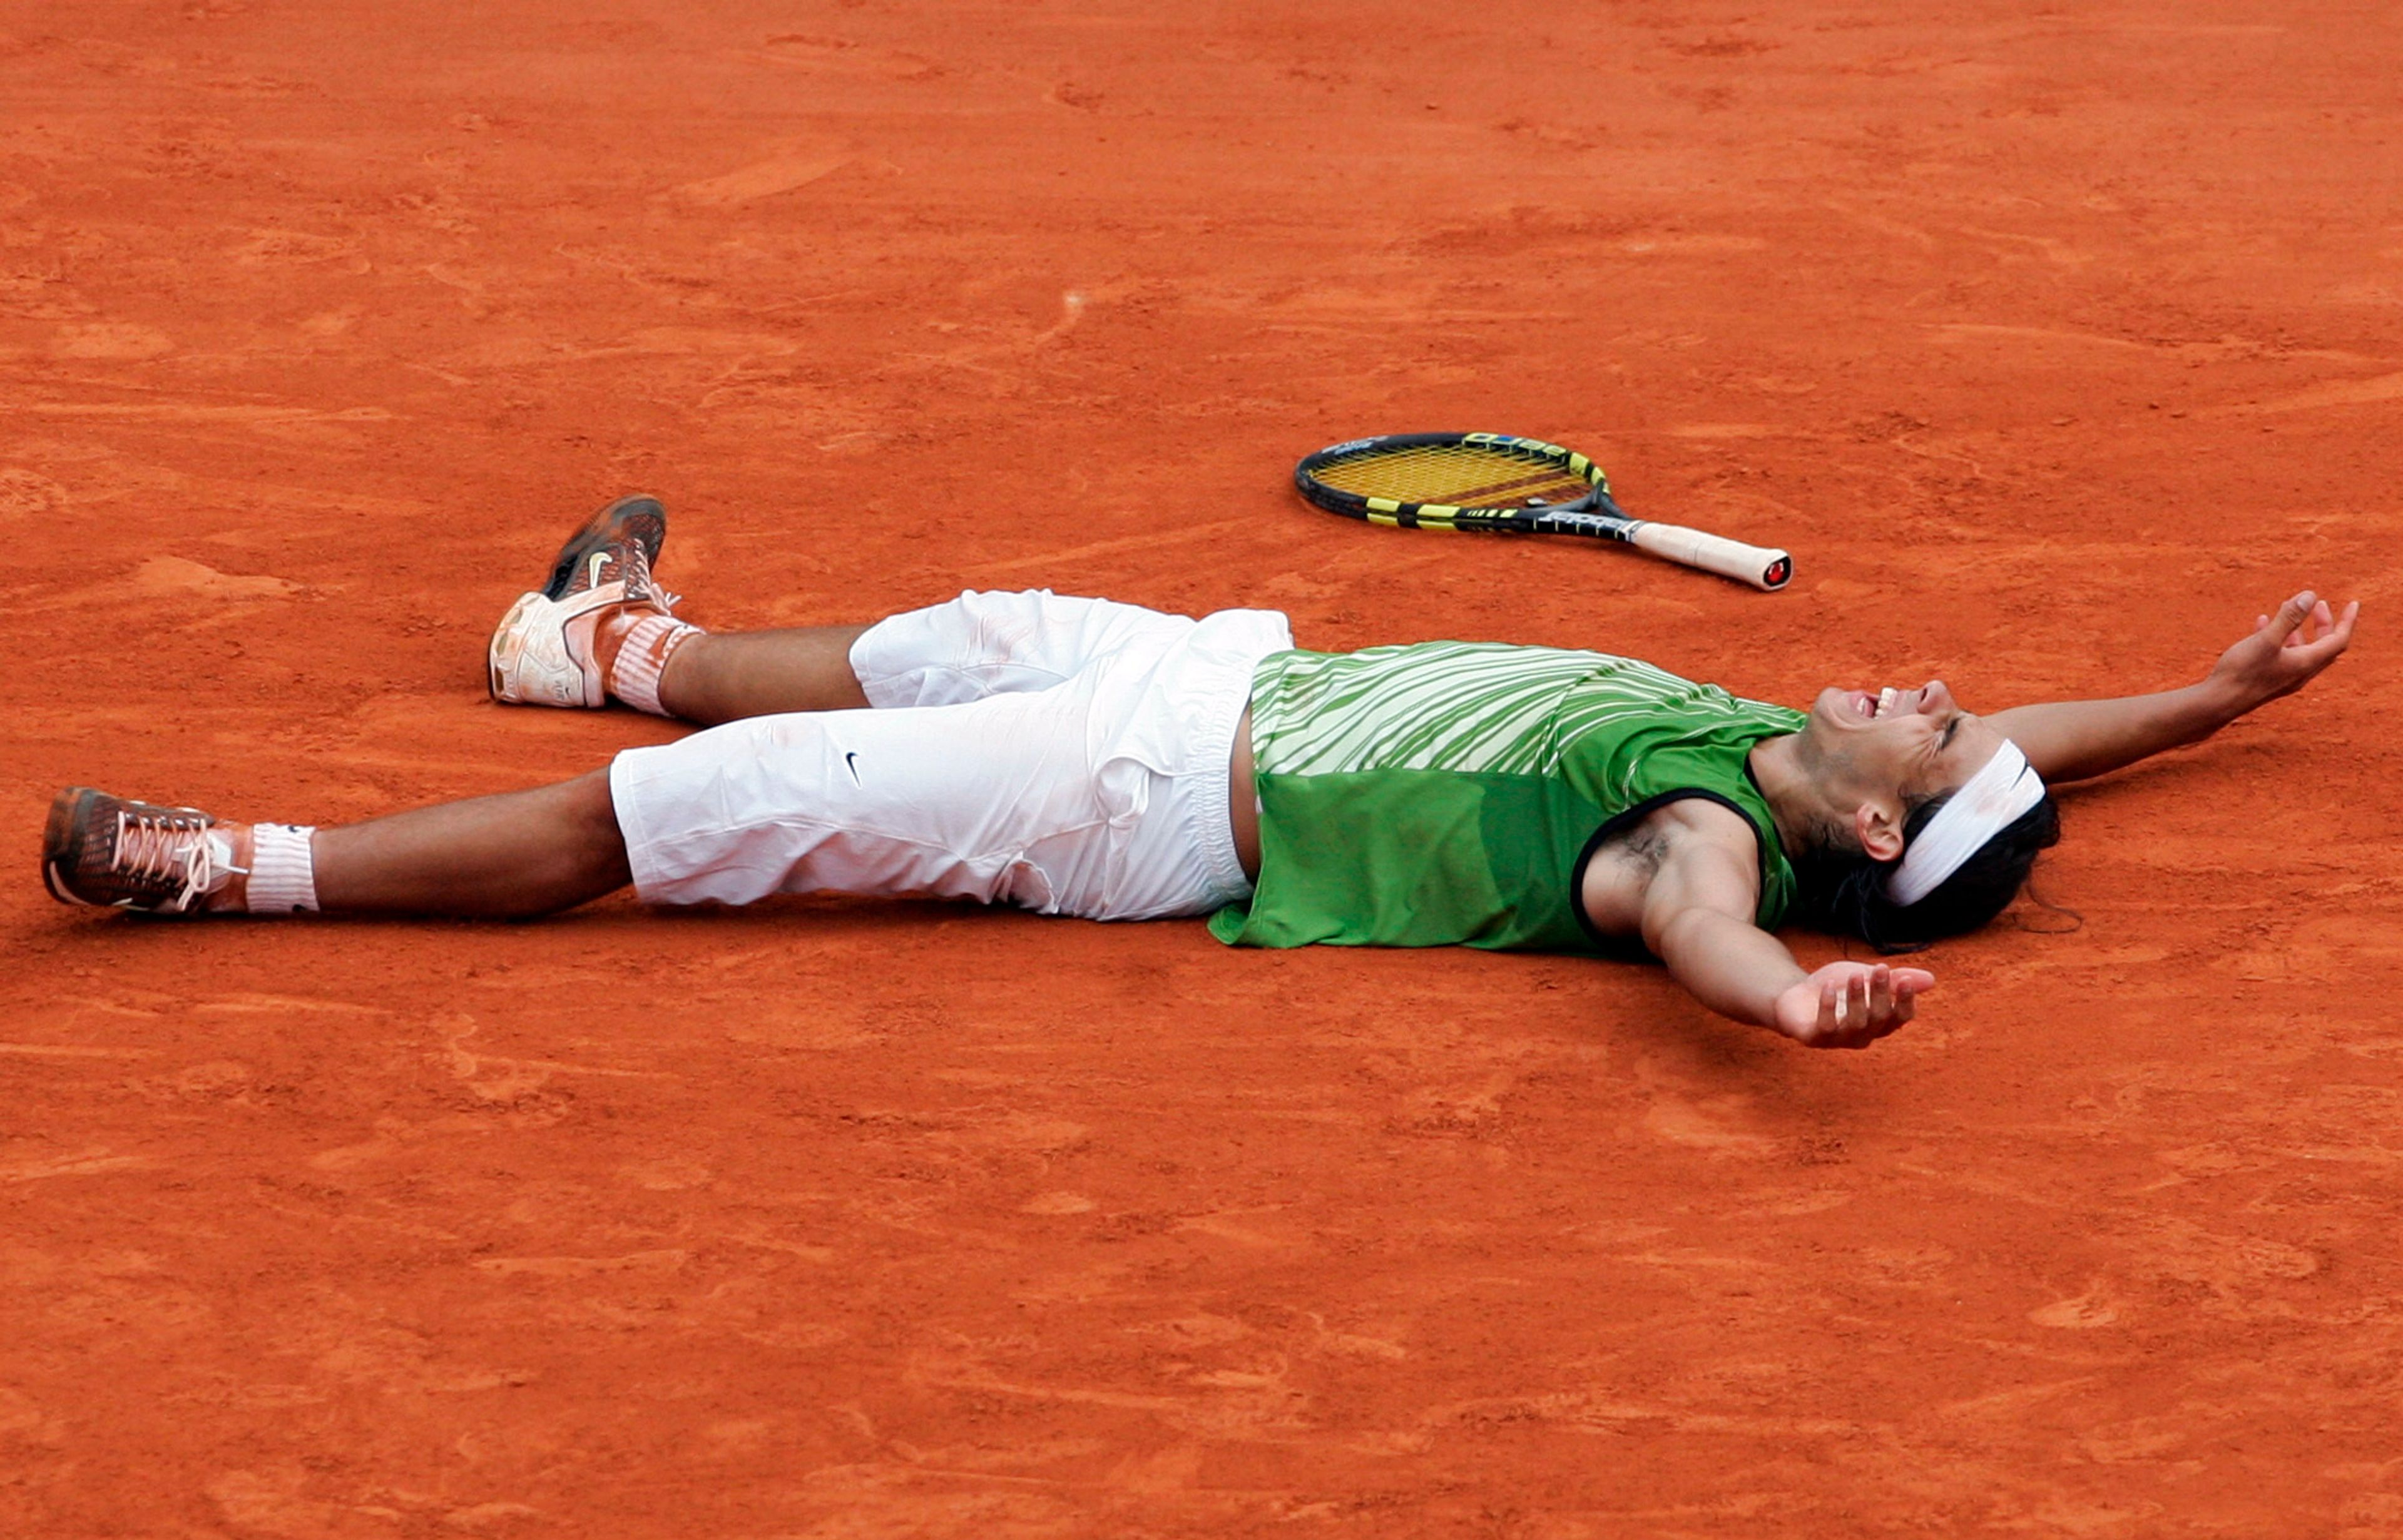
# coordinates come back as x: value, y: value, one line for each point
x: 1990, y: 802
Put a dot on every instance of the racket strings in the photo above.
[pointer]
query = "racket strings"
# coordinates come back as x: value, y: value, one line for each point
x: 1457, y: 476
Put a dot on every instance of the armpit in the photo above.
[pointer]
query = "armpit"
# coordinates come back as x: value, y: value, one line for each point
x: 1627, y: 855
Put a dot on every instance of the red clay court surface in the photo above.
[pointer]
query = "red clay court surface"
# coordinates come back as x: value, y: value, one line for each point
x: 2055, y: 344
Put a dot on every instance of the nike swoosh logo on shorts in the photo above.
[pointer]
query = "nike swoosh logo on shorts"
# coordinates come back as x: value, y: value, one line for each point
x: 847, y: 764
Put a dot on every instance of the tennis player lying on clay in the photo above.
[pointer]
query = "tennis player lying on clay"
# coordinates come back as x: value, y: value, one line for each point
x: 1078, y: 756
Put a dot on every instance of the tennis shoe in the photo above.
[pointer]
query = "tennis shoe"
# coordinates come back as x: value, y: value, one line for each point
x: 639, y: 519
x: 548, y: 649
x: 109, y: 852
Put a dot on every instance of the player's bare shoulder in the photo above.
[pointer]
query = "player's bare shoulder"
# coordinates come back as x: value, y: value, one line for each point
x: 1702, y: 844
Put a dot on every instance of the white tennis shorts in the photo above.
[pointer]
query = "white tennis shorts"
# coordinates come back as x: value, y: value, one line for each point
x: 1067, y: 755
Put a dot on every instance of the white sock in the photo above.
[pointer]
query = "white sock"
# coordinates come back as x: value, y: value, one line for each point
x: 282, y: 869
x: 643, y: 657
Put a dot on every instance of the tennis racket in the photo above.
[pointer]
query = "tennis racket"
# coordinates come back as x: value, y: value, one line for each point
x: 1513, y: 486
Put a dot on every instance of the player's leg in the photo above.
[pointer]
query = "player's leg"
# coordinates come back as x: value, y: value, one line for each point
x: 995, y: 799
x: 963, y: 649
x: 600, y: 629
x: 514, y: 855
x: 510, y: 857
x: 724, y: 676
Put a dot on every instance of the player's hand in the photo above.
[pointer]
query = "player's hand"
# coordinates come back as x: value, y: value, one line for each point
x: 1850, y: 1005
x: 2286, y: 651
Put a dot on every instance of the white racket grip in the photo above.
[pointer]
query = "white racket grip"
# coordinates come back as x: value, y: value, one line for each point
x: 1762, y: 568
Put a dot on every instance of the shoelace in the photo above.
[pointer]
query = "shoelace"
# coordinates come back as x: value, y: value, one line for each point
x: 649, y: 584
x: 639, y: 583
x: 156, y: 847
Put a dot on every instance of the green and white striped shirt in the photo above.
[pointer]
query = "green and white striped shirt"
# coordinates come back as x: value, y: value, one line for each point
x: 1451, y: 792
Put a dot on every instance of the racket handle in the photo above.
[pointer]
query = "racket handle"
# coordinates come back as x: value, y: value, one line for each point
x: 1758, y: 566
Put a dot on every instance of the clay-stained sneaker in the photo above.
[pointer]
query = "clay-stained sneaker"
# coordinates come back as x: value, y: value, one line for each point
x: 114, y: 852
x: 545, y: 652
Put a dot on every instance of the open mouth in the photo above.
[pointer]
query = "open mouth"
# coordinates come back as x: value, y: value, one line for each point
x: 1871, y: 707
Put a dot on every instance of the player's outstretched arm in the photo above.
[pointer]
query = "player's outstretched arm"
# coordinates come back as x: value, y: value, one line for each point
x: 2073, y: 739
x: 1697, y: 918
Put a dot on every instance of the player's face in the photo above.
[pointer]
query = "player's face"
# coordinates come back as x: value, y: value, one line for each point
x: 1909, y: 743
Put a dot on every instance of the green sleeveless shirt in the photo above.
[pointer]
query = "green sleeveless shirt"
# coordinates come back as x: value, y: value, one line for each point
x: 1451, y: 792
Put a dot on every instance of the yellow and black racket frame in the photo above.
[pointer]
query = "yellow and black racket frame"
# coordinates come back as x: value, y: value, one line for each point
x: 1544, y: 520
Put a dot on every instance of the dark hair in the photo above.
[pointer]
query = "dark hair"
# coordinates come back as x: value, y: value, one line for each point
x: 1844, y: 891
